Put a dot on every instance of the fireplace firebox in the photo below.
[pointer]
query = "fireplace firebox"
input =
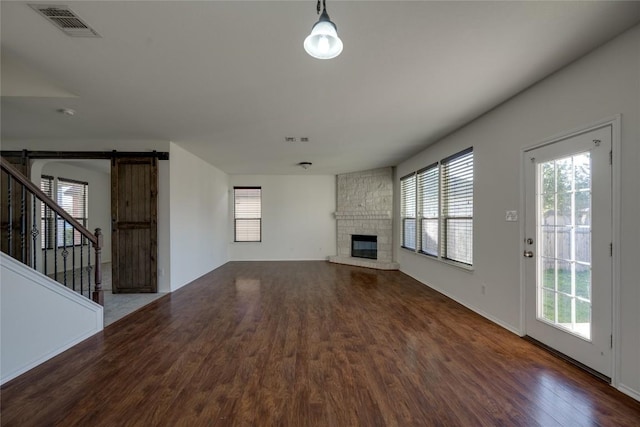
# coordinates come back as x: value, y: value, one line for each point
x: 364, y: 246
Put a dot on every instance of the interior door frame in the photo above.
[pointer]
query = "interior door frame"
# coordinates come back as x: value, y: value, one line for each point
x: 615, y: 123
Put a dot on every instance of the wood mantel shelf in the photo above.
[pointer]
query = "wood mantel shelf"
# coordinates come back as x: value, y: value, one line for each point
x: 363, y: 215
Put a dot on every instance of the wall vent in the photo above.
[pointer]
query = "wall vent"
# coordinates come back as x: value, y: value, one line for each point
x: 65, y: 19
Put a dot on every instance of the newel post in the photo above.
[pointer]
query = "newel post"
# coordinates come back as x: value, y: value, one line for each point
x: 98, y: 296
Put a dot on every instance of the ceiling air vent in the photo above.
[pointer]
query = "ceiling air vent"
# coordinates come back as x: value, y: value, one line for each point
x: 65, y: 19
x: 294, y: 139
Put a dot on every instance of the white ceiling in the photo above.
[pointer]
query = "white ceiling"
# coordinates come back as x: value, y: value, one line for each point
x: 230, y: 80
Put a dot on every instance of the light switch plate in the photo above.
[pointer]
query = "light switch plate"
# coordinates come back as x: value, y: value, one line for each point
x: 511, y: 216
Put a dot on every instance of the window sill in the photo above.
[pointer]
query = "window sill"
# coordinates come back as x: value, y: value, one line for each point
x: 461, y: 266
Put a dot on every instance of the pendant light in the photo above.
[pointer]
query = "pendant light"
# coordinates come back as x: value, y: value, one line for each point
x: 323, y: 42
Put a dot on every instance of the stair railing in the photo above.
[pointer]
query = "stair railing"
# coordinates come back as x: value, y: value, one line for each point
x: 22, y: 216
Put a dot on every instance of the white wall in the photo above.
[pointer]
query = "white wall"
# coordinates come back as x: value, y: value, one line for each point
x: 602, y: 84
x: 39, y: 318
x: 199, y: 217
x: 297, y: 218
x: 164, y: 226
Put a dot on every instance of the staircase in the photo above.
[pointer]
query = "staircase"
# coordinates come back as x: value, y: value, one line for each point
x: 39, y: 233
x: 50, y: 276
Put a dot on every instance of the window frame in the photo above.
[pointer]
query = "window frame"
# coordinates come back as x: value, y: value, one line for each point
x: 444, y: 251
x: 236, y: 218
x: 46, y: 213
x: 55, y: 237
x: 457, y: 195
x: 403, y: 203
x: 421, y: 203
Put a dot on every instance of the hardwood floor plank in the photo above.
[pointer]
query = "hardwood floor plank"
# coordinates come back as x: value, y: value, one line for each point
x: 309, y: 344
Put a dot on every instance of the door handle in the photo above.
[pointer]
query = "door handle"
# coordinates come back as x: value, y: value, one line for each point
x: 528, y: 254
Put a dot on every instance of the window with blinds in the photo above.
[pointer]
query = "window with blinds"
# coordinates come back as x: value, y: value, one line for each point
x: 408, y: 210
x: 437, y: 209
x: 46, y: 214
x: 457, y: 207
x: 428, y: 212
x: 73, y: 197
x: 247, y: 214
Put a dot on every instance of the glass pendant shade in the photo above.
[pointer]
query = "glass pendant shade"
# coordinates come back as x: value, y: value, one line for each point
x: 323, y: 42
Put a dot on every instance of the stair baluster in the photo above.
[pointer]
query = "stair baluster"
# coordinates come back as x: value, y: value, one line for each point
x: 10, y: 215
x: 34, y: 235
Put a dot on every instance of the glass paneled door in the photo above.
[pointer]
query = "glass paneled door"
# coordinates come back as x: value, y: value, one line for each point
x: 567, y: 247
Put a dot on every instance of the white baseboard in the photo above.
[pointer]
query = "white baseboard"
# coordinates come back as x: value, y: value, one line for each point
x: 6, y: 377
x: 20, y: 284
x: 471, y: 307
x: 629, y: 391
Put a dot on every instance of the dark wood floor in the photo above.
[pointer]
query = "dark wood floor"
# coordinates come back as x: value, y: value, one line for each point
x: 309, y: 344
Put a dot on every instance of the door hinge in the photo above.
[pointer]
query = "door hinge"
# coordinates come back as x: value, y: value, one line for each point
x: 611, y: 341
x: 611, y: 157
x: 610, y: 249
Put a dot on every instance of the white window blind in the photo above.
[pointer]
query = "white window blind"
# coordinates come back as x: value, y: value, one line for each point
x: 429, y: 208
x: 72, y: 196
x: 457, y: 207
x: 436, y: 209
x: 247, y: 214
x: 408, y: 210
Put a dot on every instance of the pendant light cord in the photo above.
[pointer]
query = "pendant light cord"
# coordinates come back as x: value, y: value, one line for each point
x: 324, y: 6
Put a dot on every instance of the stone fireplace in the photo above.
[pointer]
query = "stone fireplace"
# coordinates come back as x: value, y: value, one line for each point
x: 365, y: 206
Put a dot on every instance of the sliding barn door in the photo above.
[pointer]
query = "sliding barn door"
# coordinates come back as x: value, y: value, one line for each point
x: 16, y: 233
x: 134, y: 189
